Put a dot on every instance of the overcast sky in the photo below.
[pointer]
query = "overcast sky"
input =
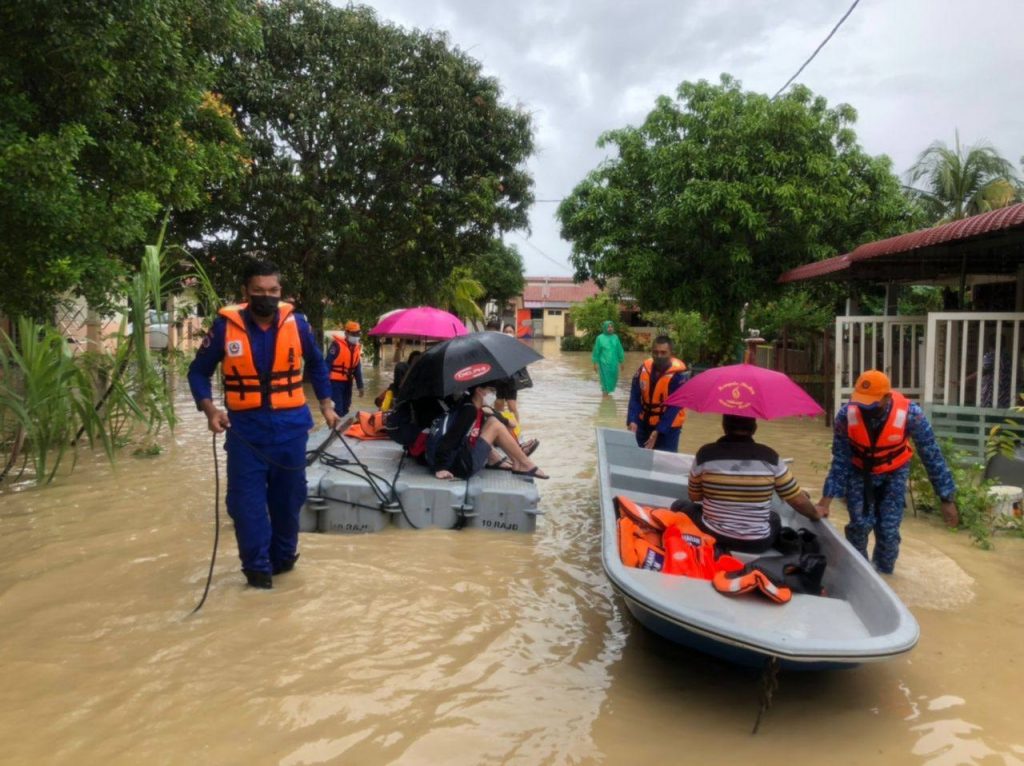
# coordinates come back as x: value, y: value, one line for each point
x: 915, y: 70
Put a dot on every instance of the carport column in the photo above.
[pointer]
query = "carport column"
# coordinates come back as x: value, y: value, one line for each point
x: 93, y: 330
x: 892, y: 298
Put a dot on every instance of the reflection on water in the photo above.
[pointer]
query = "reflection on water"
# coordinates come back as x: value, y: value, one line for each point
x: 454, y: 647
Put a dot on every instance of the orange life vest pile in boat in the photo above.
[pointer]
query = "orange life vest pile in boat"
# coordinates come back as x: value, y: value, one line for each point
x: 668, y: 541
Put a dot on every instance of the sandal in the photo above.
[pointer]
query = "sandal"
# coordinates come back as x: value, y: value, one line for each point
x: 502, y: 465
x: 533, y: 473
x: 529, y: 447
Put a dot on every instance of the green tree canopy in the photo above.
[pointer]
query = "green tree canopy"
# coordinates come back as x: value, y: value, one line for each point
x: 460, y: 294
x: 589, y: 316
x: 720, y: 191
x: 794, y: 313
x: 383, y: 158
x: 687, y: 330
x: 106, y: 118
x: 964, y: 180
x: 500, y: 271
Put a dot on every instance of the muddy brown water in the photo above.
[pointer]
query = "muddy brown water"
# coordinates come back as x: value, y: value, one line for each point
x: 453, y: 647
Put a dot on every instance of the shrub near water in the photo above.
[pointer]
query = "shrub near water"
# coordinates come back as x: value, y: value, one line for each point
x: 48, y: 396
x: 45, y: 397
x: 972, y: 498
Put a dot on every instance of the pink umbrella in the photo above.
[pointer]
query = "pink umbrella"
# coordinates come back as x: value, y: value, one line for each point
x: 744, y: 389
x: 422, y: 322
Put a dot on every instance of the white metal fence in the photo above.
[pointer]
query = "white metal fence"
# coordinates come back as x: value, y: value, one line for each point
x: 973, y: 359
x: 894, y: 344
x: 964, y: 367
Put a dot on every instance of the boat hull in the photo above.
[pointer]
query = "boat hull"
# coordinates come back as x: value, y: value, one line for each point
x: 862, y: 620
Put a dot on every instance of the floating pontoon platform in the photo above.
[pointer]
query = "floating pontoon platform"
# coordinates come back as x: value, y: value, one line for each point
x: 364, y: 486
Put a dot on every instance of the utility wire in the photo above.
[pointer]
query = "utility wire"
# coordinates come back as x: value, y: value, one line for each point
x: 816, y: 50
x: 545, y: 255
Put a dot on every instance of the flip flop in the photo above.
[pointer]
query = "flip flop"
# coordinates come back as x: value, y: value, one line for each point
x: 533, y: 473
x: 530, y: 446
x: 502, y: 465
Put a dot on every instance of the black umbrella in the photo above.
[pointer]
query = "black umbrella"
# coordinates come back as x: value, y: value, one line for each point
x: 468, y: 360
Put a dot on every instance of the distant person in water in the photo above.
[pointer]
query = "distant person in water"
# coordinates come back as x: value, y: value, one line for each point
x: 608, y: 357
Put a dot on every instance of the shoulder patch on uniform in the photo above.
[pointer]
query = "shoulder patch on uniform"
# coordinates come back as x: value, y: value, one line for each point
x: 207, y: 340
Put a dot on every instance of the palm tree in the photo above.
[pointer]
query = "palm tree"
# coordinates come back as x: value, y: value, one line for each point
x: 460, y: 293
x: 963, y: 181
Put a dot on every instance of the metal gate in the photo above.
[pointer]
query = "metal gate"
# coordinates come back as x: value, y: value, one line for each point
x: 893, y: 344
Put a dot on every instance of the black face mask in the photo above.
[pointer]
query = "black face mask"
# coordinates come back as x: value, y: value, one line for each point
x: 263, y: 306
x: 662, y: 363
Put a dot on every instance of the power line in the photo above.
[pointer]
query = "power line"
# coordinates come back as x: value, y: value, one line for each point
x: 820, y: 46
x: 558, y: 263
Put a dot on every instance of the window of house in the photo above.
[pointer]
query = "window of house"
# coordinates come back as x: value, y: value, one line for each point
x: 554, y: 312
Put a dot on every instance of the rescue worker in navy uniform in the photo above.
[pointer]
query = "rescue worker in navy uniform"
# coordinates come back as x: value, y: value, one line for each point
x: 871, y: 463
x: 344, y: 358
x: 260, y: 345
x: 655, y: 425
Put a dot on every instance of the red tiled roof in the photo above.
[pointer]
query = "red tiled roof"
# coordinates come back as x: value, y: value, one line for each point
x: 562, y: 291
x: 955, y: 231
x: 816, y: 269
x: 1006, y: 218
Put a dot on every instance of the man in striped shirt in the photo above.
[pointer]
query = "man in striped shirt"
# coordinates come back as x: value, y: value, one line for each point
x: 733, y: 480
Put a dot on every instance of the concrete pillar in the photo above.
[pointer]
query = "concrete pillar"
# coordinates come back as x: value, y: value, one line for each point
x: 93, y: 331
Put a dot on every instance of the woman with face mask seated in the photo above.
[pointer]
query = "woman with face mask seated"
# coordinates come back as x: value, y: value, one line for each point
x: 462, y: 441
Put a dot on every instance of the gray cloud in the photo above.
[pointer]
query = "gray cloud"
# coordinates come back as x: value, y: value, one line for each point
x: 914, y: 69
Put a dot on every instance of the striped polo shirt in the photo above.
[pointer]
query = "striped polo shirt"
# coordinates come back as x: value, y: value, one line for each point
x: 734, y: 479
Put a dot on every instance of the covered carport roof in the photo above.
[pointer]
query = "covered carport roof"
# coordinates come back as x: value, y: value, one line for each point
x: 991, y: 243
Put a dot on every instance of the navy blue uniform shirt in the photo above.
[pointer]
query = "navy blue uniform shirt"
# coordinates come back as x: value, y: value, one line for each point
x: 263, y: 425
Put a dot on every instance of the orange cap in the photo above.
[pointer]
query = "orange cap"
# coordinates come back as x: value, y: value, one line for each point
x: 351, y: 326
x: 870, y: 387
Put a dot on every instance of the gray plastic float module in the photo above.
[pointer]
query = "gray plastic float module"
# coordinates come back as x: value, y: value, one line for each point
x: 502, y: 500
x: 341, y: 496
x: 348, y: 507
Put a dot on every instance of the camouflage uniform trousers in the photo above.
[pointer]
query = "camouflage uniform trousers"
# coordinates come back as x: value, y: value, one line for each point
x: 884, y: 515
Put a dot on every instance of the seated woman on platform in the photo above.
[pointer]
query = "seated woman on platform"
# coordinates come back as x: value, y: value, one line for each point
x: 462, y: 441
x: 730, y: 489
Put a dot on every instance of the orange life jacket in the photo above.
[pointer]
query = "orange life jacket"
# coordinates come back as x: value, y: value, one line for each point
x: 892, y: 449
x: 733, y: 584
x: 368, y: 425
x: 244, y: 386
x: 347, y: 359
x: 636, y: 547
x: 652, y: 398
x: 667, y: 541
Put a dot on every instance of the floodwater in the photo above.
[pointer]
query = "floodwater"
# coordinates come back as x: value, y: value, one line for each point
x: 466, y: 647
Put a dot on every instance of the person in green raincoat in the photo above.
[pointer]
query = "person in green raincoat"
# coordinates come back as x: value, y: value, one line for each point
x: 608, y: 357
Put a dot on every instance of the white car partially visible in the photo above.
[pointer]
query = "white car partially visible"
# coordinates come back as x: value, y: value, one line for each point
x: 157, y: 329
